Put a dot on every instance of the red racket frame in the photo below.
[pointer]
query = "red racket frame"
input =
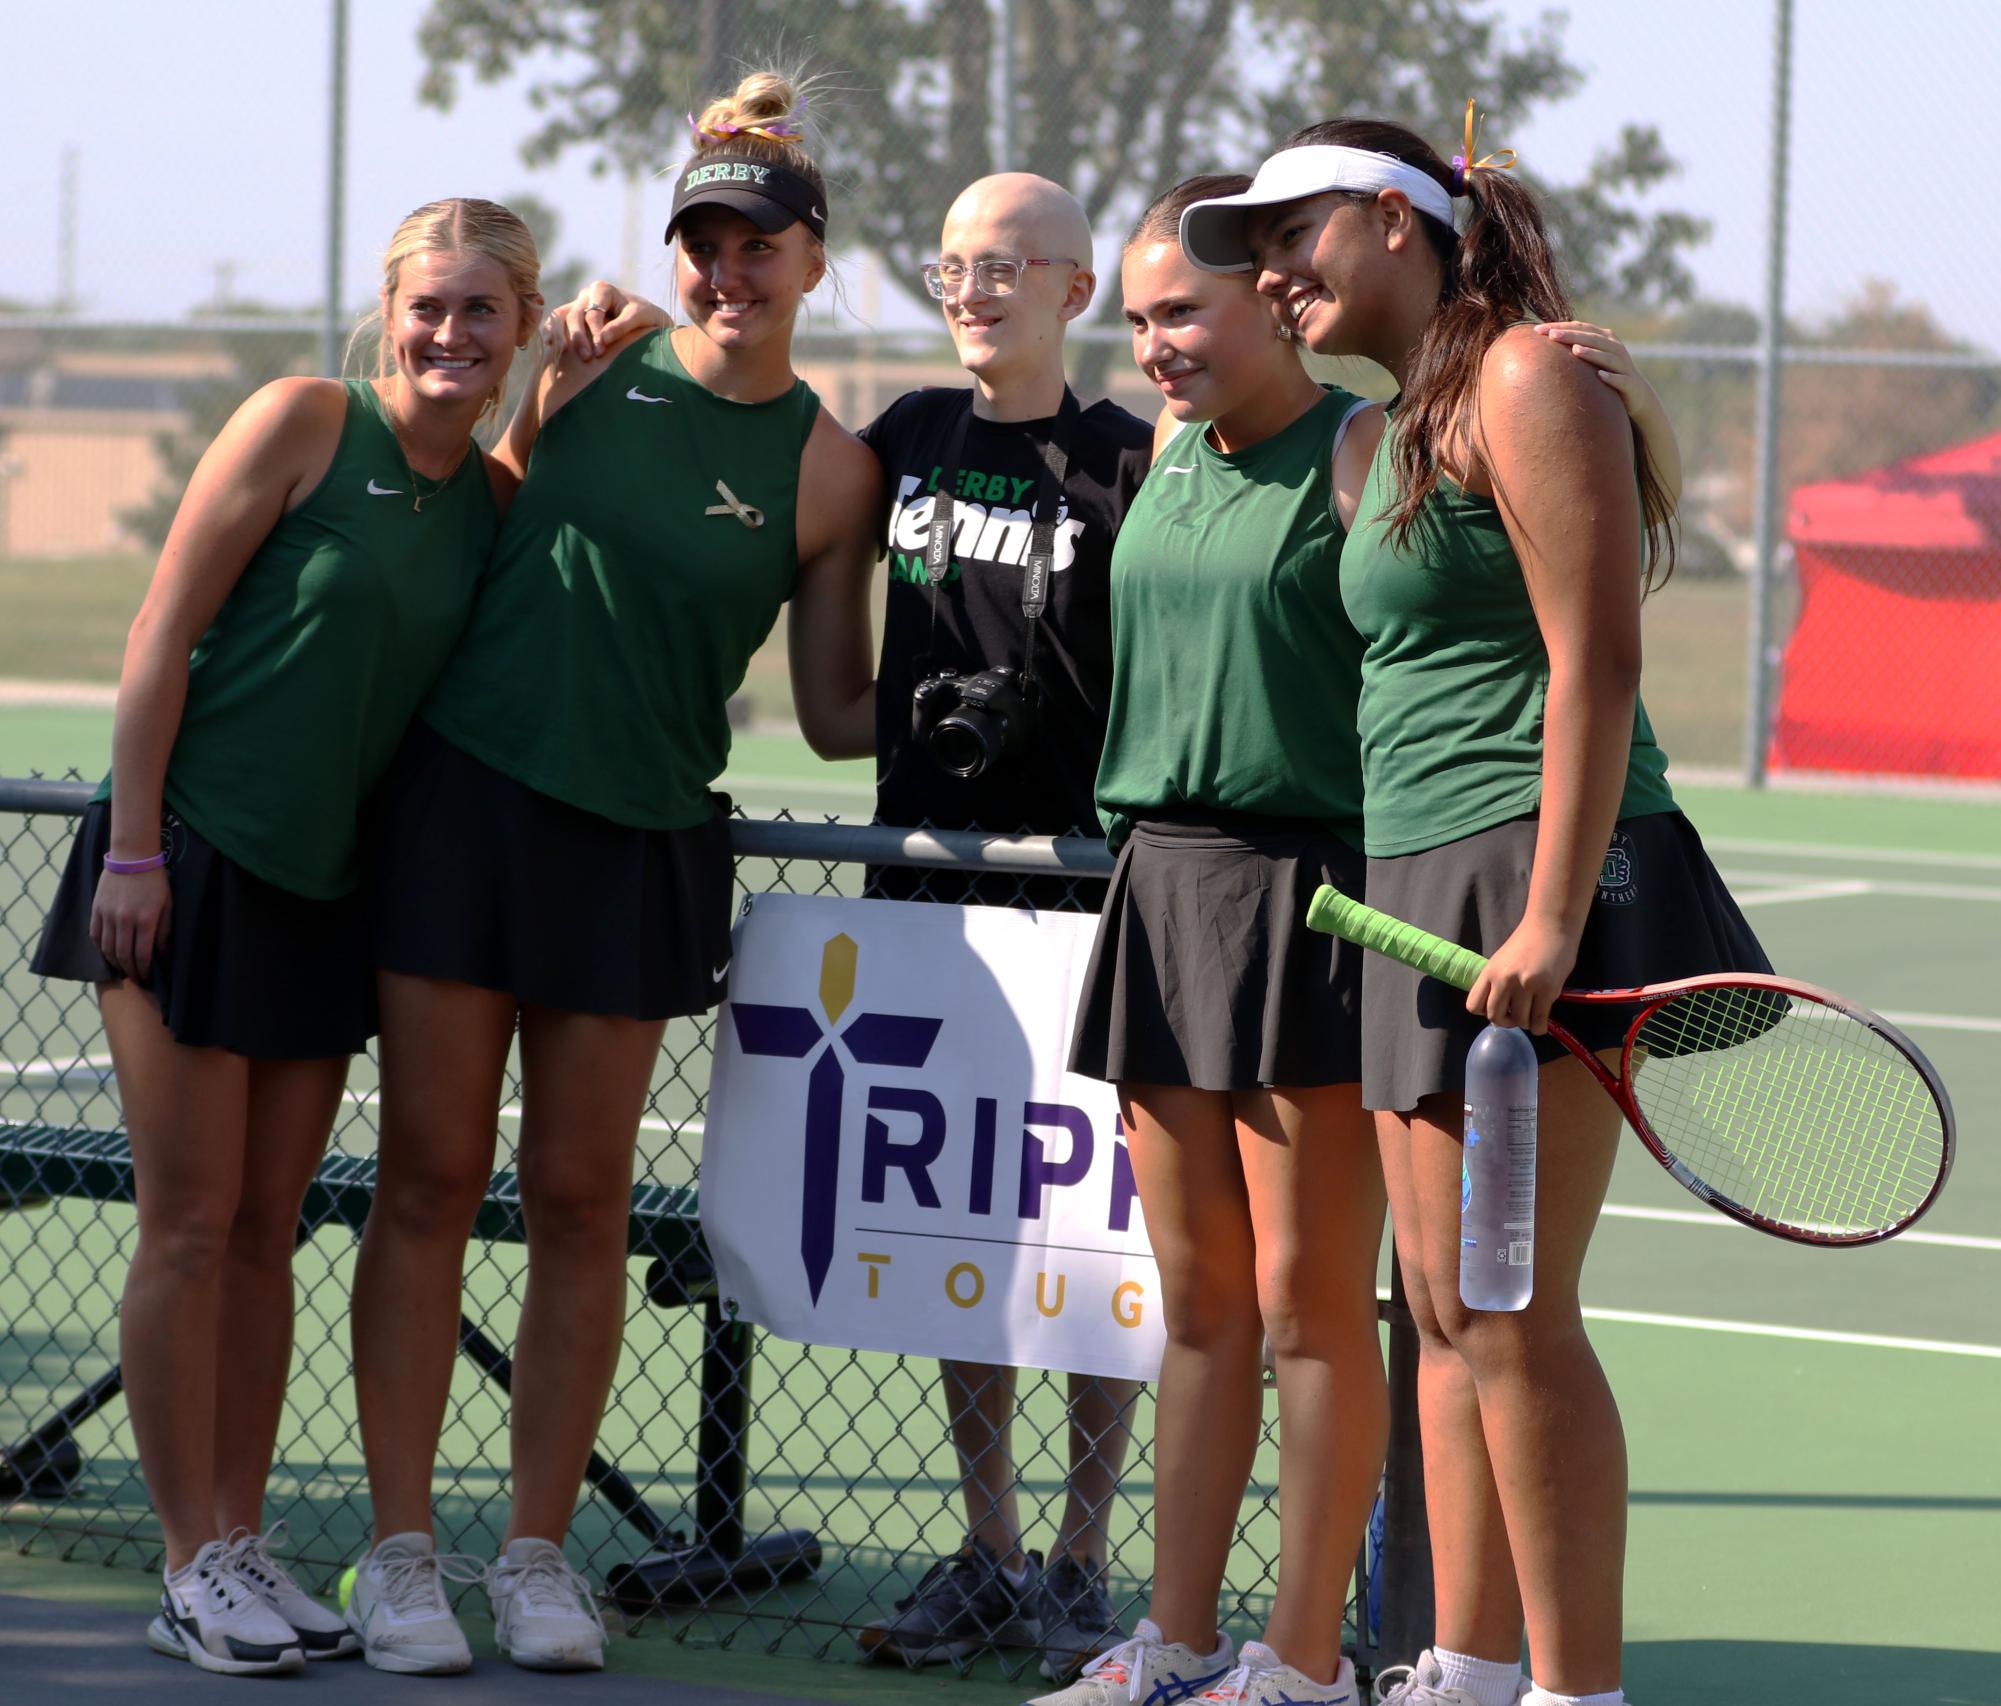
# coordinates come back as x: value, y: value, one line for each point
x: 1652, y: 997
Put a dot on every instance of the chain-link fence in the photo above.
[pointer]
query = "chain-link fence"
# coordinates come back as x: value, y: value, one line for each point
x: 1760, y: 202
x: 785, y: 1494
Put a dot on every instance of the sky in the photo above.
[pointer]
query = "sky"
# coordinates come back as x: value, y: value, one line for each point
x: 200, y: 127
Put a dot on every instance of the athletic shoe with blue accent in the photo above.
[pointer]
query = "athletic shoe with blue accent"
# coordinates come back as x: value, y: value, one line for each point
x: 1422, y: 1684
x: 963, y: 1605
x: 1262, y: 1678
x: 217, y: 1621
x: 1077, y: 1620
x: 323, y: 1633
x: 1148, y: 1670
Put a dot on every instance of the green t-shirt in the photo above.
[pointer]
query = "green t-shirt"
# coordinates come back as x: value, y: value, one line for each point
x: 1234, y: 667
x: 300, y: 691
x: 1454, y: 674
x: 626, y: 596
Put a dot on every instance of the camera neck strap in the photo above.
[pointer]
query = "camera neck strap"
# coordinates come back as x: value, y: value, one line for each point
x: 1041, y: 561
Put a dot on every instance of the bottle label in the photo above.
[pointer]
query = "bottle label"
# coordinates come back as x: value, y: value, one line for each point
x: 1520, y: 1221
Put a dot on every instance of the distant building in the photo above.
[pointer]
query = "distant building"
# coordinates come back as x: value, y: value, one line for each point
x: 78, y: 439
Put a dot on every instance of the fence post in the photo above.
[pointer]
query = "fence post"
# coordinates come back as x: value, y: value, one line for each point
x: 1758, y: 698
x: 1409, y: 1608
x: 330, y: 325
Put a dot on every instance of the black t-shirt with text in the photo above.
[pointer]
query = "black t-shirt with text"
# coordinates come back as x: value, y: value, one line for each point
x: 978, y: 622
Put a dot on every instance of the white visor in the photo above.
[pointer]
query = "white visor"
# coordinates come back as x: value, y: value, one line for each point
x: 1213, y: 233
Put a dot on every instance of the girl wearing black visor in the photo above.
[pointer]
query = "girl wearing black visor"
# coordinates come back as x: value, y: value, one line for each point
x: 554, y: 857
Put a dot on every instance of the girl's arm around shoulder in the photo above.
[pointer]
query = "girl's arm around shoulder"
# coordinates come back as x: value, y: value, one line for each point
x: 1617, y: 368
x: 559, y: 374
x: 829, y: 638
x: 1353, y: 456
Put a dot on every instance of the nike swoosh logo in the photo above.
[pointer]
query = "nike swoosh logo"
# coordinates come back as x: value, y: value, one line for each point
x: 720, y: 972
x: 639, y: 396
x: 817, y: 214
x: 1177, y: 470
x: 376, y: 491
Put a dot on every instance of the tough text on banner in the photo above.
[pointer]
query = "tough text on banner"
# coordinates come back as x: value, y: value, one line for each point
x: 895, y: 1158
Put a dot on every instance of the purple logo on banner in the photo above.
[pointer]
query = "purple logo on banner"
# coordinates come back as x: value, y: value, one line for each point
x: 871, y: 1039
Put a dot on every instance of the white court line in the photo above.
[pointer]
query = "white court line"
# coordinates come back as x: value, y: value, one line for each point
x: 1805, y: 891
x: 1771, y: 1330
x: 1700, y: 1217
x: 1816, y: 1335
x: 512, y: 1111
x: 1944, y: 1022
x: 44, y: 1068
x: 1814, y: 888
x: 1879, y: 855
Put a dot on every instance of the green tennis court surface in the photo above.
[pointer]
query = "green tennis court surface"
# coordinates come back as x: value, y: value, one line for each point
x: 1816, y: 1511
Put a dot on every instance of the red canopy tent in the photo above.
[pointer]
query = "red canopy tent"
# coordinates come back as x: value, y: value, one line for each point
x: 1895, y: 665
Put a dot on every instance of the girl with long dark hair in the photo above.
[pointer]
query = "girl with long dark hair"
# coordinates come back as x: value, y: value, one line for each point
x: 1515, y: 800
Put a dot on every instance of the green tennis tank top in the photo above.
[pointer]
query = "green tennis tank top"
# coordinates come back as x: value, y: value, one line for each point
x: 301, y: 689
x: 1454, y: 674
x: 1235, y: 669
x: 628, y: 592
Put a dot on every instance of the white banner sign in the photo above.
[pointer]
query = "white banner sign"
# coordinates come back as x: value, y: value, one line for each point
x: 895, y: 1157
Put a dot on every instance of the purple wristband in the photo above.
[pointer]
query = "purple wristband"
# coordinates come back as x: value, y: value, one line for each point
x: 134, y: 867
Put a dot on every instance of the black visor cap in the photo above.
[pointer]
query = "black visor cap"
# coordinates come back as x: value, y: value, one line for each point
x: 771, y: 196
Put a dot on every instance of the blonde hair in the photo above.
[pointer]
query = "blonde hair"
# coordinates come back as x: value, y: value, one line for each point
x: 457, y: 225
x: 764, y: 116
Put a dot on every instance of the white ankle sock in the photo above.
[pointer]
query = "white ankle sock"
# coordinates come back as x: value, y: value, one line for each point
x: 1016, y: 1579
x: 1543, y: 1697
x: 1491, y: 1682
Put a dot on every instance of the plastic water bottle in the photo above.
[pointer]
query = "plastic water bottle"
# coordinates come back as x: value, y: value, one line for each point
x: 1497, y: 1183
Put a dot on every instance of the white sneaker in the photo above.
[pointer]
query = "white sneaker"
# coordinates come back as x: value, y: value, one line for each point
x: 1421, y: 1684
x: 323, y: 1633
x: 1148, y: 1669
x: 398, y: 1607
x: 1262, y: 1678
x: 218, y: 1621
x: 545, y: 1616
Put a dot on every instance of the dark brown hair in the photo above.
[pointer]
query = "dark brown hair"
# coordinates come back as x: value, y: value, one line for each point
x: 1500, y: 270
x: 1161, y: 223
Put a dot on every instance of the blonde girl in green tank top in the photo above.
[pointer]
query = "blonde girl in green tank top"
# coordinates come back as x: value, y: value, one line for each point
x: 1524, y: 1455
x: 224, y: 1145
x: 604, y: 711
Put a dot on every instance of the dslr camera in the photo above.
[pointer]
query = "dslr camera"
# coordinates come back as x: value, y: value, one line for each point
x: 970, y: 723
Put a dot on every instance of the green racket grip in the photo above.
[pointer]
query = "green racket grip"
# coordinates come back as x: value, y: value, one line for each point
x: 1337, y: 915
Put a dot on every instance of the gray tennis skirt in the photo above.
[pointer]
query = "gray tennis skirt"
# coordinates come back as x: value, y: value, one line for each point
x: 1661, y: 912
x: 1205, y: 973
x: 248, y: 966
x: 481, y: 879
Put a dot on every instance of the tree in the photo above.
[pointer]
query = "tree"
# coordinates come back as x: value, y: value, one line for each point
x: 1116, y: 100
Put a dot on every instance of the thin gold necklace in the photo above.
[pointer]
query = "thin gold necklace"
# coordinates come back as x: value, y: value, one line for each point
x: 418, y: 493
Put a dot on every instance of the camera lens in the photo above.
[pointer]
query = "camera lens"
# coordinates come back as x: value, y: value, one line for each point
x: 959, y: 744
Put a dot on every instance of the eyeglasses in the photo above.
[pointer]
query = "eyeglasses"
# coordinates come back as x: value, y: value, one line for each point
x: 992, y: 278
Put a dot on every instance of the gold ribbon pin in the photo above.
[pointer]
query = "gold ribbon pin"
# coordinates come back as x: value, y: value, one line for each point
x: 749, y: 514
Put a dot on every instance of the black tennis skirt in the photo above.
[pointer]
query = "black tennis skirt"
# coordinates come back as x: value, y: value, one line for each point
x: 479, y: 878
x: 1661, y: 912
x: 247, y: 966
x: 1205, y: 974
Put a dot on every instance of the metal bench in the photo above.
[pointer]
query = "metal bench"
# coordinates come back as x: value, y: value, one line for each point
x: 42, y: 1163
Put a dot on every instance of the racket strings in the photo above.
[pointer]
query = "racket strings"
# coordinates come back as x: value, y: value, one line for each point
x: 1793, y: 1110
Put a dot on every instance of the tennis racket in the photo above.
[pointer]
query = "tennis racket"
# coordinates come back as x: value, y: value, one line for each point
x: 1779, y: 1104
